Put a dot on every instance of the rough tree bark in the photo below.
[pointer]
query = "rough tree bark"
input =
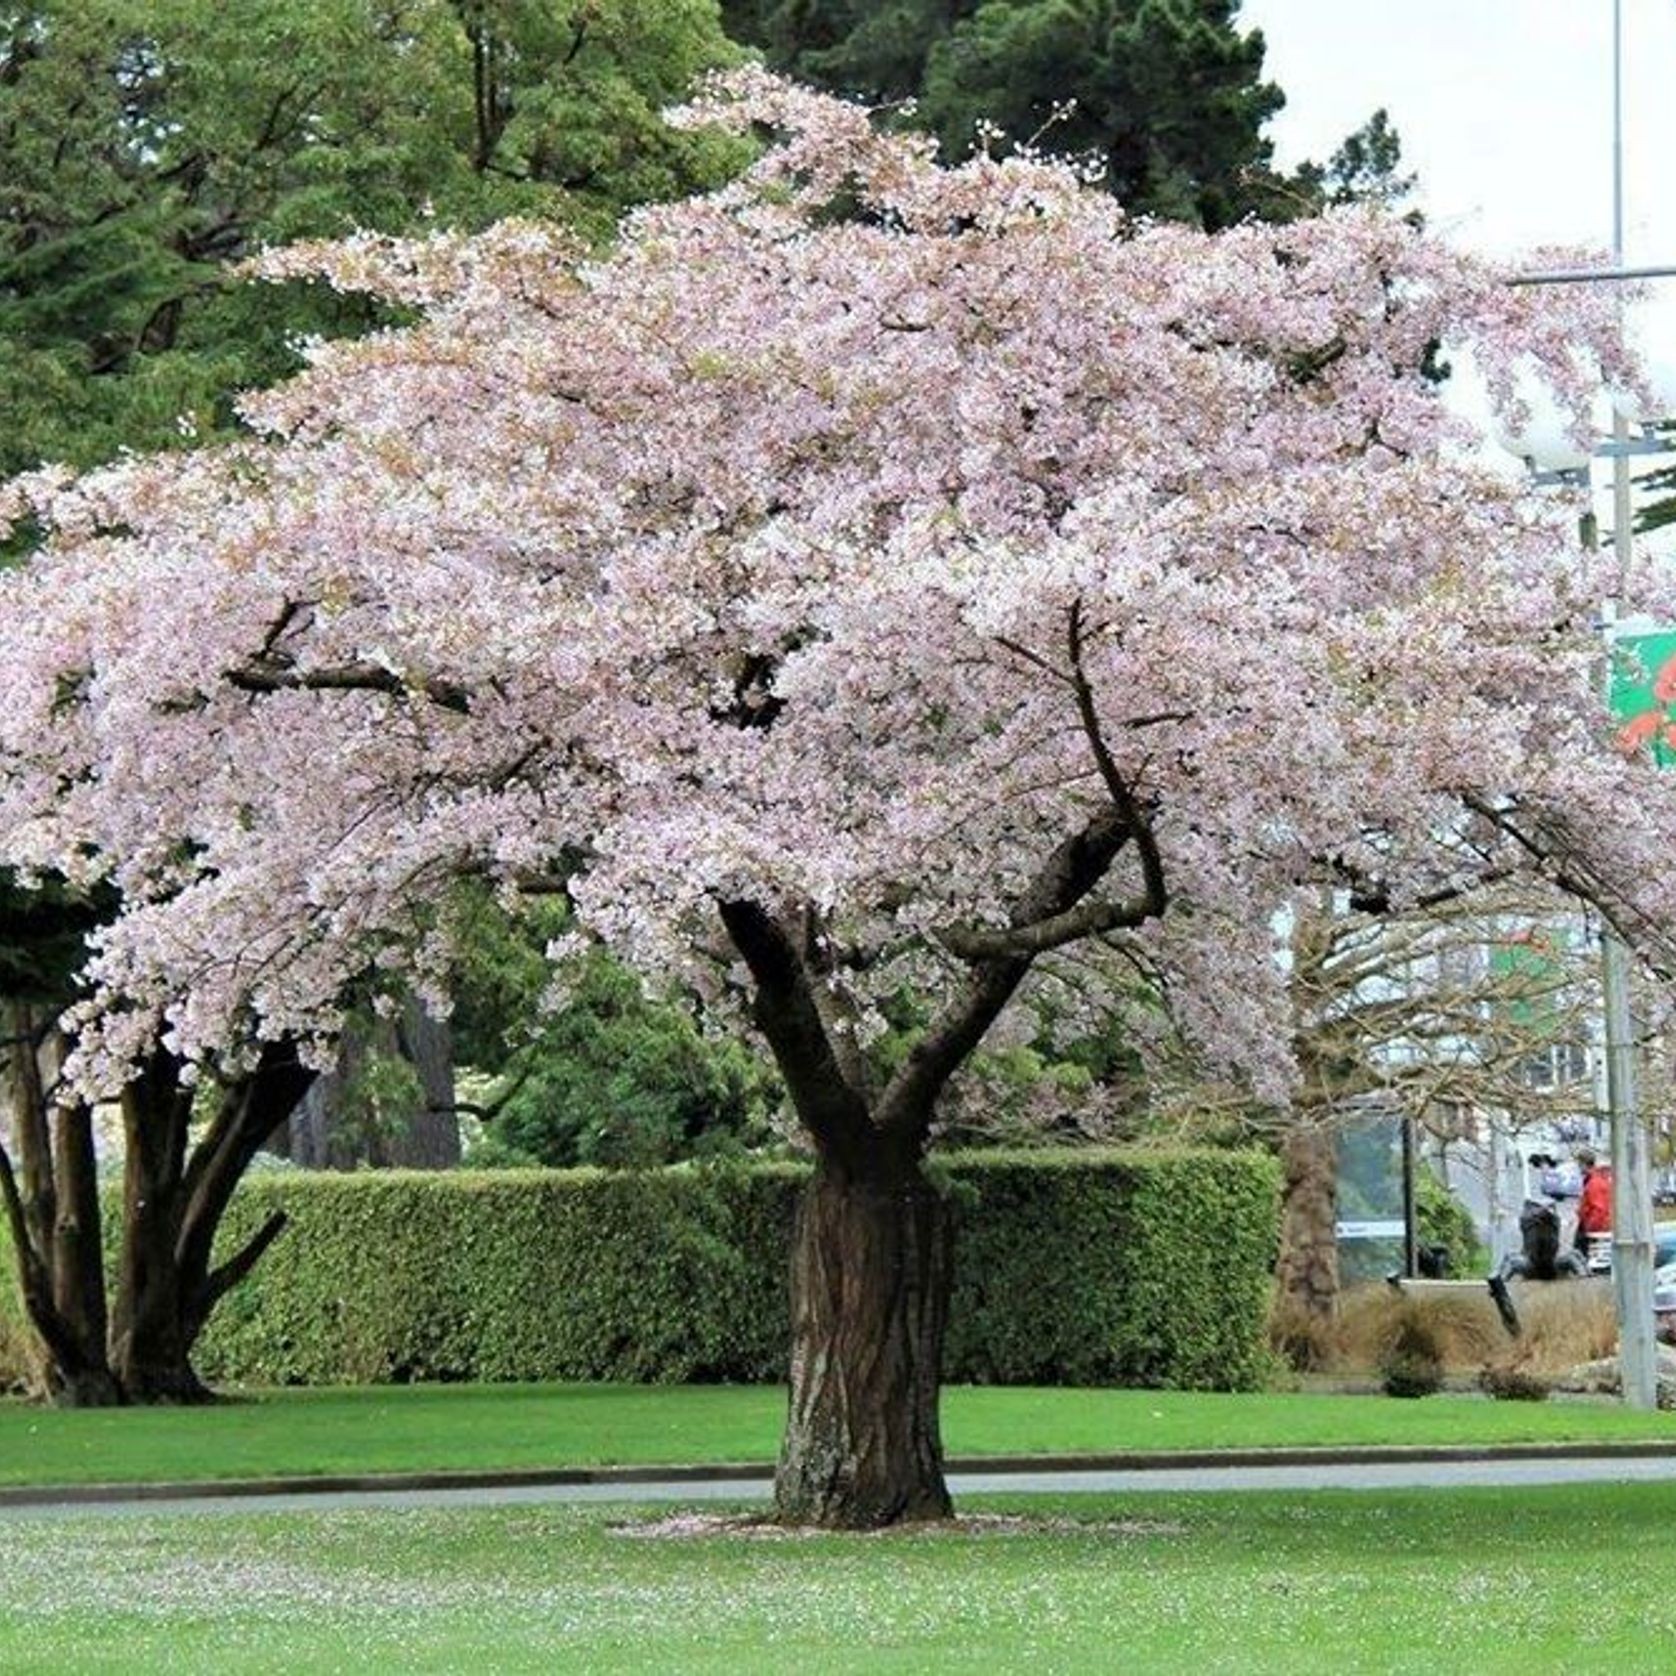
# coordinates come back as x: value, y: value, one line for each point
x: 1306, y: 1274
x: 174, y: 1196
x: 52, y: 1210
x: 871, y: 1263
x: 870, y: 1284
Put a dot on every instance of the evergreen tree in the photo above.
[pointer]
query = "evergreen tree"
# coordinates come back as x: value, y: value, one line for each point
x: 1167, y: 95
x: 1366, y: 169
x: 147, y: 142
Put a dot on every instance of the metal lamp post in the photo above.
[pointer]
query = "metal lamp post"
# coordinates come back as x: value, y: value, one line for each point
x: 1632, y: 1192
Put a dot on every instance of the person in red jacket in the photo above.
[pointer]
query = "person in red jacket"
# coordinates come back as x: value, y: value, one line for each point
x: 1594, y: 1208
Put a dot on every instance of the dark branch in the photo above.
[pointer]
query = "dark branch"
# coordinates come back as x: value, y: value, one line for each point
x: 253, y: 1109
x: 1088, y: 919
x: 34, y: 1281
x: 828, y: 1100
x: 221, y: 1280
x: 258, y: 677
x: 1560, y: 862
x: 1000, y: 958
x: 1140, y: 828
x: 1058, y: 908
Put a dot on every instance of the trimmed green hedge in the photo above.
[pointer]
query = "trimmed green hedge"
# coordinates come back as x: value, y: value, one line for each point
x: 1074, y: 1268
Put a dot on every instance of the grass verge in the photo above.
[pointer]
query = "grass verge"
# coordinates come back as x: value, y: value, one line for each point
x: 485, y: 1427
x: 1560, y: 1578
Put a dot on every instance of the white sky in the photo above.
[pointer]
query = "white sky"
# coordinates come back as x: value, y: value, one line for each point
x: 1504, y: 108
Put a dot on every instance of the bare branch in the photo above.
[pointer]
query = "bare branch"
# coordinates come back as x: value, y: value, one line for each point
x: 271, y: 677
x: 824, y: 1089
x: 1140, y: 829
x: 225, y: 1276
x: 1020, y: 650
x: 1087, y: 919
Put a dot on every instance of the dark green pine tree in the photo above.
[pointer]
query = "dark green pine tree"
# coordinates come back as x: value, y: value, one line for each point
x: 1366, y: 169
x: 875, y: 49
x: 1168, y: 94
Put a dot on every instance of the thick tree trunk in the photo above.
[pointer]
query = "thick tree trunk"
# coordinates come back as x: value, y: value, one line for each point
x: 152, y: 1326
x: 140, y: 1349
x: 173, y: 1203
x: 151, y: 1342
x: 1307, y: 1271
x: 52, y: 1209
x: 870, y: 1283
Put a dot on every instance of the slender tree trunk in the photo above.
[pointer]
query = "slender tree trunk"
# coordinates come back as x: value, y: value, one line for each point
x: 870, y: 1285
x: 1307, y: 1271
x: 78, y: 1261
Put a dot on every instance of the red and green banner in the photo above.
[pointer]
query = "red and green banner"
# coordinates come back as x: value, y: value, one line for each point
x: 1643, y: 693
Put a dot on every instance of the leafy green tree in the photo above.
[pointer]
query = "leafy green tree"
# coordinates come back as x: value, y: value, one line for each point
x: 1168, y: 94
x: 147, y: 142
x: 1442, y: 1220
x: 614, y: 1076
x: 1366, y: 169
x: 875, y: 48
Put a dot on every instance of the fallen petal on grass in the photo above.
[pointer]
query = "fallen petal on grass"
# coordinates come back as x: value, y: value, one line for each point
x: 700, y: 1526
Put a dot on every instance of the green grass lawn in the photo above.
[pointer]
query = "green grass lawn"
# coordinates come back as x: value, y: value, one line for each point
x: 1477, y: 1581
x: 458, y: 1427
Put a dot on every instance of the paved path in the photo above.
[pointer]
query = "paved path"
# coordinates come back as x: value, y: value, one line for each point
x: 1378, y: 1475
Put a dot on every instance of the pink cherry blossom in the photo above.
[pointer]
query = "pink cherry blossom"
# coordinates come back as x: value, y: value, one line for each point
x: 844, y: 543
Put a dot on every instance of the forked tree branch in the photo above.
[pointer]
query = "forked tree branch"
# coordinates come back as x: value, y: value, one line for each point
x: 1058, y: 908
x: 822, y: 1088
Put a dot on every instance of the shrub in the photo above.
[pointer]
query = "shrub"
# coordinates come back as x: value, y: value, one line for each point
x: 1304, y: 1340
x: 1412, y: 1339
x: 1464, y: 1325
x: 1565, y: 1322
x: 1077, y: 1267
x: 1442, y: 1220
x: 1411, y: 1362
x: 1091, y: 1268
x: 1512, y: 1381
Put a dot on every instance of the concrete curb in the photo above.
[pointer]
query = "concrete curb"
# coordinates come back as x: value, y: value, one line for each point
x: 1133, y: 1460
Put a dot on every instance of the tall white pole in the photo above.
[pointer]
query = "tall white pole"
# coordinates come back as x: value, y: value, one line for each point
x: 1632, y: 1197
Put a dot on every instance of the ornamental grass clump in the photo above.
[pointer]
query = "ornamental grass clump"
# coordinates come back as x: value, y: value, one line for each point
x: 1411, y: 1365
x: 1414, y: 1340
x: 1513, y: 1381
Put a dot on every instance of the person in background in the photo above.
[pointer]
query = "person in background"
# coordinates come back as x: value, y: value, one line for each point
x: 1594, y: 1207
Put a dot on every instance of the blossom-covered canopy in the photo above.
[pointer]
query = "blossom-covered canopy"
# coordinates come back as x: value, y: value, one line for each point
x: 849, y: 542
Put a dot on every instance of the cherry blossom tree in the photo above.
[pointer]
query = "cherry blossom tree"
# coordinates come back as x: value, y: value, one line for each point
x: 871, y: 576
